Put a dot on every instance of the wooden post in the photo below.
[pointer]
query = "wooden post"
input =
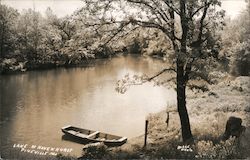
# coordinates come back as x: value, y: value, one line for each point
x: 146, y: 133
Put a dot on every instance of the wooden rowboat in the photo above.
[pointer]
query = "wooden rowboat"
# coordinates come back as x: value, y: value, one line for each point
x: 89, y: 136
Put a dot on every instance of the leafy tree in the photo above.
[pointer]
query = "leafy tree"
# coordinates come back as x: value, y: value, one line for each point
x: 7, y: 30
x: 68, y: 37
x: 189, y: 25
x: 66, y: 27
x: 242, y: 59
x: 52, y: 38
x: 89, y: 41
x: 29, y: 30
x: 236, y: 39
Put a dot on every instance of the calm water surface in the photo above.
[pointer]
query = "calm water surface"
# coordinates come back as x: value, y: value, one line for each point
x: 35, y: 105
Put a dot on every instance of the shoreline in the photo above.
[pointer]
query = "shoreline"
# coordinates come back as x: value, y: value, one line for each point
x: 19, y: 67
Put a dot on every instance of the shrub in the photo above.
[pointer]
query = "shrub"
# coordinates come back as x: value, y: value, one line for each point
x: 96, y: 152
x: 223, y: 150
x: 62, y: 157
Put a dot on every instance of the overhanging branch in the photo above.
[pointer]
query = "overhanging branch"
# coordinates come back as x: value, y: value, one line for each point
x: 161, y: 72
x: 116, y: 33
x: 153, y: 9
x: 167, y: 2
x: 195, y: 12
x: 126, y: 82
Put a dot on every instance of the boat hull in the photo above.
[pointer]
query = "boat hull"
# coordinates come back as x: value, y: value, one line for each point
x: 84, y: 136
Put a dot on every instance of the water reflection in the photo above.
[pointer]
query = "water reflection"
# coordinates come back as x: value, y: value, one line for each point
x: 35, y: 105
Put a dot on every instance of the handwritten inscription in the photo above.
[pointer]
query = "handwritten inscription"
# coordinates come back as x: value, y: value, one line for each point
x: 41, y: 150
x: 185, y: 148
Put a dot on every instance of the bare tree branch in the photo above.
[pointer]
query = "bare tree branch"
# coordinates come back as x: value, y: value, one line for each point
x: 128, y: 32
x: 104, y: 23
x: 197, y: 44
x: 148, y: 24
x: 195, y: 12
x: 155, y: 10
x: 165, y: 17
x: 167, y: 2
x: 116, y: 33
x: 202, y: 20
x: 161, y: 72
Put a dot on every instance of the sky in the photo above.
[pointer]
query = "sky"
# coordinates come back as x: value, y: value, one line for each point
x: 66, y: 7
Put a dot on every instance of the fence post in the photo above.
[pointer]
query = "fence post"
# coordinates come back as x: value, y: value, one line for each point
x: 146, y: 133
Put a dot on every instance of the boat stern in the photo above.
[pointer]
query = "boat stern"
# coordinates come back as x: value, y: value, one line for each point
x: 64, y: 129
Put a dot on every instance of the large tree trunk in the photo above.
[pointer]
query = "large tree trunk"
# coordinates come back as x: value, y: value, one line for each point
x: 181, y: 82
x: 181, y: 105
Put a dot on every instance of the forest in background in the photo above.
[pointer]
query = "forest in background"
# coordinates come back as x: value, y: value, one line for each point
x: 30, y: 41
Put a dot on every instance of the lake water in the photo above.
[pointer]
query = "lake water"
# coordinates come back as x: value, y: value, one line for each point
x: 35, y: 105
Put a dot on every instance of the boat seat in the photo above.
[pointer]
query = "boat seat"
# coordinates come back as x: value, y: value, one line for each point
x: 82, y: 135
x: 73, y: 132
x: 122, y: 139
x: 93, y: 134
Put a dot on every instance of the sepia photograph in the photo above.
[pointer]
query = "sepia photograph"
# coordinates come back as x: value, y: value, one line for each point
x: 124, y: 79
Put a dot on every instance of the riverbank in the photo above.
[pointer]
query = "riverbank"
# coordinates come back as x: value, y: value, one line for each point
x: 19, y: 65
x: 14, y: 65
x: 208, y: 114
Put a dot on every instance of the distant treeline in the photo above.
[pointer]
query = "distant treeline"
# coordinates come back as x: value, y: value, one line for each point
x: 236, y: 43
x: 29, y: 40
